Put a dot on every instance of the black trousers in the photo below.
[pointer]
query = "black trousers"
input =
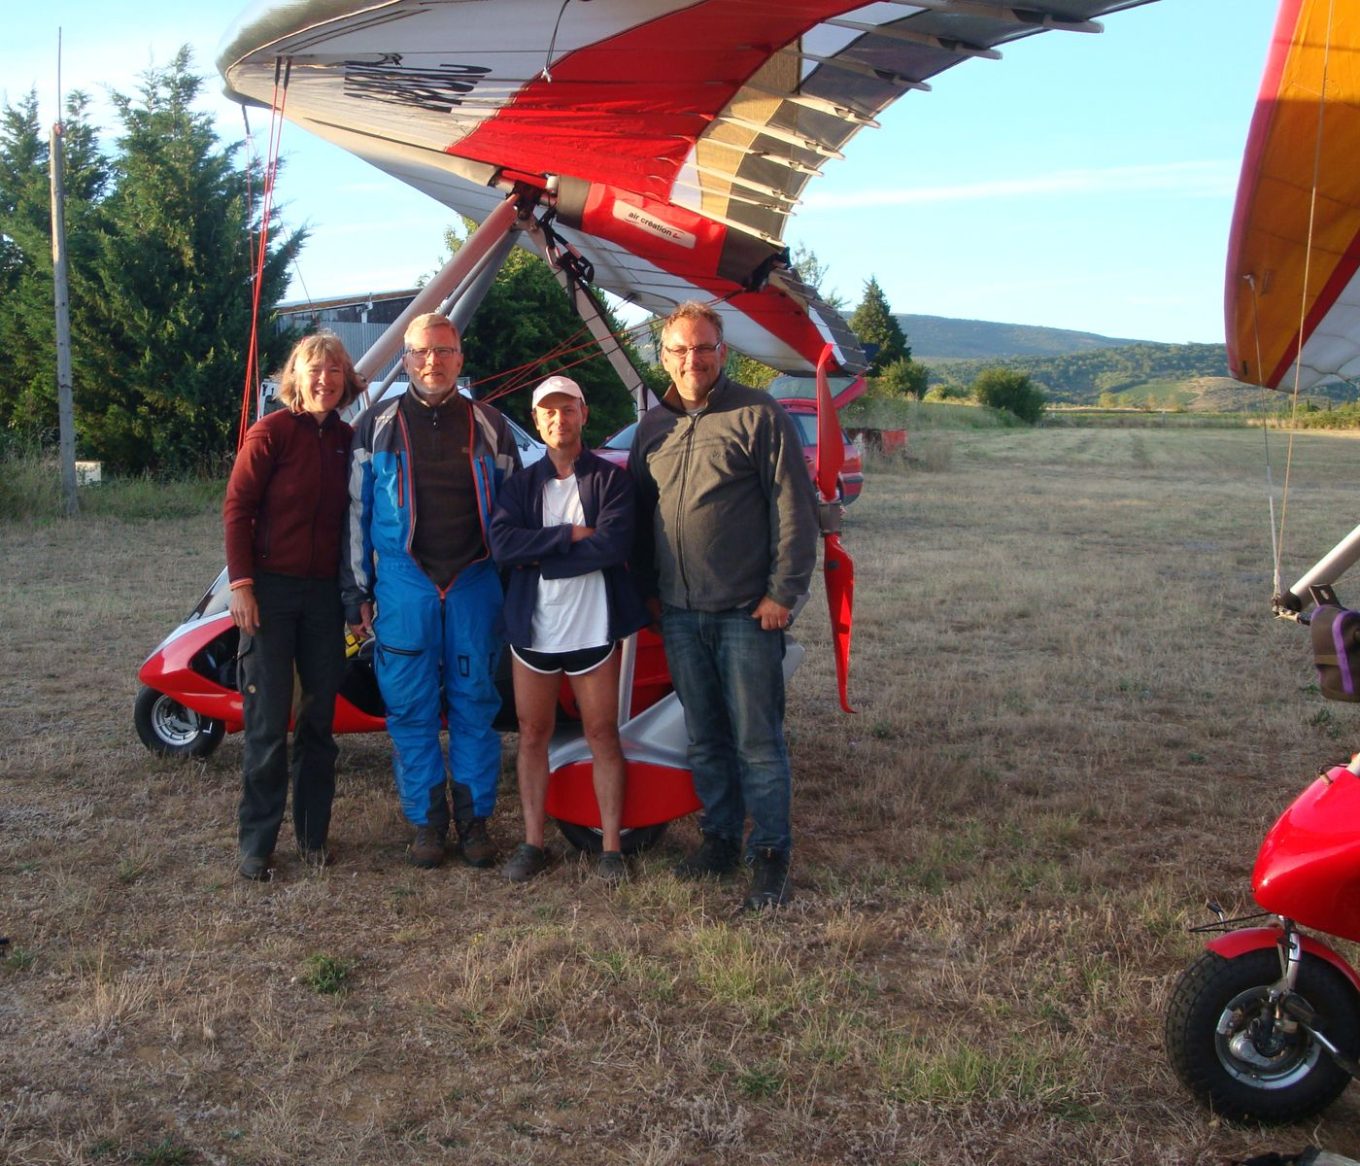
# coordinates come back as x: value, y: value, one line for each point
x: 301, y: 626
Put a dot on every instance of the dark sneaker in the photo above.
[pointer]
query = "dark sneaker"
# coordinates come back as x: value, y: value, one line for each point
x: 527, y: 861
x: 714, y: 858
x: 427, y: 848
x: 770, y: 886
x: 478, y: 849
x: 255, y: 868
x: 611, y: 867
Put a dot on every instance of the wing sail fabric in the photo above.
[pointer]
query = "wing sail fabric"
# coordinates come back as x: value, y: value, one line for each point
x: 680, y: 133
x: 1292, y: 293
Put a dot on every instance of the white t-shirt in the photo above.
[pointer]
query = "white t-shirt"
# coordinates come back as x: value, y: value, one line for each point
x: 570, y: 614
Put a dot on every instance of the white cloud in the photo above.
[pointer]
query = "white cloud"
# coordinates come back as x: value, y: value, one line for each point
x: 1191, y: 179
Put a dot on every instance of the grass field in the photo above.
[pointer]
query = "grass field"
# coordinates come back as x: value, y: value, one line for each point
x: 1075, y: 720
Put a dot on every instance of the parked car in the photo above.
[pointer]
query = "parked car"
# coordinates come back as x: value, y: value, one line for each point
x: 804, y: 414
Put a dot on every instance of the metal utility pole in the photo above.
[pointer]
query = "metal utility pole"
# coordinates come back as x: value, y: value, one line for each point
x: 66, y: 421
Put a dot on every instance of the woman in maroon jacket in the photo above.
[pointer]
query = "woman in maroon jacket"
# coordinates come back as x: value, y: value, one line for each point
x: 285, y: 508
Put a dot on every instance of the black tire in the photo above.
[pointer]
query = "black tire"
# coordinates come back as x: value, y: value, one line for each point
x: 168, y: 728
x: 1228, y: 1052
x: 589, y: 839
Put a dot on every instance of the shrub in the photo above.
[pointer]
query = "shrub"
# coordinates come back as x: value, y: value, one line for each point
x: 1004, y: 388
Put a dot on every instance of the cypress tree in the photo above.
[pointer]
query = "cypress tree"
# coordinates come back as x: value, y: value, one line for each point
x: 874, y: 324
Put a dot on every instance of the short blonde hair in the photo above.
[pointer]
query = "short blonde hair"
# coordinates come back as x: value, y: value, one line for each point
x: 430, y: 320
x: 694, y: 310
x: 319, y: 344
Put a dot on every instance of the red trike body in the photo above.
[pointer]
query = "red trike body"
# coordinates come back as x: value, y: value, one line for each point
x: 195, y: 666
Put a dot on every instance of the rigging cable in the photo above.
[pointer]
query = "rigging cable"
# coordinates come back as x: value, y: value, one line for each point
x: 282, y: 72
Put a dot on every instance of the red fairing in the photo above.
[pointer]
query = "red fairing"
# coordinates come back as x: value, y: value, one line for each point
x: 170, y: 669
x: 671, y: 236
x: 1238, y: 943
x: 1308, y: 867
x: 691, y: 246
x: 653, y: 794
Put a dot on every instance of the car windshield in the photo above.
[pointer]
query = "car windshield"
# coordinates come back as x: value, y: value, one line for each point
x: 623, y: 439
x: 807, y: 426
x: 804, y: 388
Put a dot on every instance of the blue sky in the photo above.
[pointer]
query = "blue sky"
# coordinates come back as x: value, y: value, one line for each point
x: 1081, y: 182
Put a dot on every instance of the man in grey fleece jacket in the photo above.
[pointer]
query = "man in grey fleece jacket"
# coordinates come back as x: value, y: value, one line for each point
x: 727, y: 543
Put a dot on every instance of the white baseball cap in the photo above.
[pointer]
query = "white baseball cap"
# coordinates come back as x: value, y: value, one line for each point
x: 557, y: 384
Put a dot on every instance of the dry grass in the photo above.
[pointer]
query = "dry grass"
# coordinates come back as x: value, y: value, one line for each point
x: 1075, y: 720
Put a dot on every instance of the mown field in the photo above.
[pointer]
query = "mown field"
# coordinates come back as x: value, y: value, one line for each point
x: 1076, y: 718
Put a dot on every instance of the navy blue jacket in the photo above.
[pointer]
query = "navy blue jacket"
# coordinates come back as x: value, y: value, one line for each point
x: 521, y: 542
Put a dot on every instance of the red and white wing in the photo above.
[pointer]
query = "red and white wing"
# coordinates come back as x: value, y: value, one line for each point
x: 678, y: 134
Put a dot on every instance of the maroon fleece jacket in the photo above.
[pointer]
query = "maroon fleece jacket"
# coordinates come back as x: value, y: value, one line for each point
x: 287, y: 498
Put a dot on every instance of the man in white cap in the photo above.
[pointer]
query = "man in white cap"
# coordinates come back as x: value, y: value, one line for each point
x: 564, y: 527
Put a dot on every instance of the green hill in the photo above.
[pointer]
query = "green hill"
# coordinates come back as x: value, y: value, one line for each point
x: 940, y: 338
x: 1084, y: 368
x: 1142, y: 373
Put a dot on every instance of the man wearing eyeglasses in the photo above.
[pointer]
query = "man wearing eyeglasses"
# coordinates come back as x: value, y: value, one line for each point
x: 727, y: 543
x: 417, y: 576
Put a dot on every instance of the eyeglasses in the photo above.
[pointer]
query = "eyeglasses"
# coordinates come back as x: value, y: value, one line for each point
x: 680, y: 351
x: 422, y: 354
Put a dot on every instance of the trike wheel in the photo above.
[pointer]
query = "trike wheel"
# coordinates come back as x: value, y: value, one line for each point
x: 168, y: 728
x: 1236, y: 1050
x: 590, y: 840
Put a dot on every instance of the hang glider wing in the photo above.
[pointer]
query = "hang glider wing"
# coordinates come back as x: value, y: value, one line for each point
x: 1292, y: 289
x: 675, y: 136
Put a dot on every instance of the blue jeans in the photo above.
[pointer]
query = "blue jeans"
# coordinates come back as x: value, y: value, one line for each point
x: 729, y: 675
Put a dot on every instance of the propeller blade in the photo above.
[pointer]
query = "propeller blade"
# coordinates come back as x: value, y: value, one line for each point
x: 830, y: 446
x: 837, y: 565
x: 839, y: 569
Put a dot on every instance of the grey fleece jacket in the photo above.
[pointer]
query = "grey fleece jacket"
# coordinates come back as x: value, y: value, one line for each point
x: 726, y: 510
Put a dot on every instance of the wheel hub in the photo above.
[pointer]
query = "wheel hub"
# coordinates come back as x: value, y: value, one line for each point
x: 1259, y: 1046
x: 175, y: 724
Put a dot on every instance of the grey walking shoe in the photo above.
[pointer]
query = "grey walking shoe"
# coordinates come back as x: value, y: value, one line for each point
x: 255, y: 868
x: 611, y: 867
x: 527, y: 861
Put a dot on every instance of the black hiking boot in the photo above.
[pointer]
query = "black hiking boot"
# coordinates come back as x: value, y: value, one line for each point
x: 770, y: 886
x: 714, y: 858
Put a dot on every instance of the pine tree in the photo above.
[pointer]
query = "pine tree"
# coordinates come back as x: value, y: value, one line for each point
x: 874, y: 324
x: 171, y: 323
x: 28, y: 404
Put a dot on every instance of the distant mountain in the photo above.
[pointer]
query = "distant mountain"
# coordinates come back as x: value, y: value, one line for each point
x: 937, y: 338
x: 1083, y: 368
